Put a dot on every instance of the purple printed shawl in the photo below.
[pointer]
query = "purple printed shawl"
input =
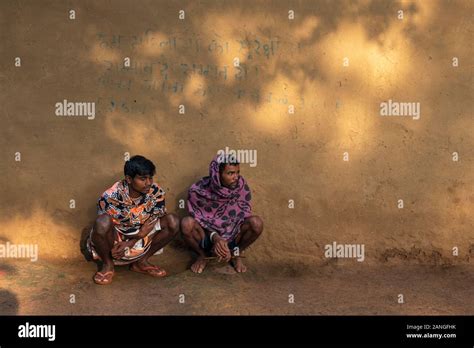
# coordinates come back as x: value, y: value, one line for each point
x: 218, y: 208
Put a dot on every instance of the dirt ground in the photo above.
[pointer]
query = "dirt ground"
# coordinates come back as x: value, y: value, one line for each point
x: 45, y: 288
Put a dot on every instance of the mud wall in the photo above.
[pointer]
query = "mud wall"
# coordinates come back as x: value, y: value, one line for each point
x: 306, y: 95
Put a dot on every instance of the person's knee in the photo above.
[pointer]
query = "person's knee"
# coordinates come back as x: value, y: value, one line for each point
x: 256, y: 224
x: 172, y: 222
x: 187, y: 226
x: 103, y: 225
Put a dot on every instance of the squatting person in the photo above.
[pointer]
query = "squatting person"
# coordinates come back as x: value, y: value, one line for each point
x: 132, y: 223
x: 221, y: 220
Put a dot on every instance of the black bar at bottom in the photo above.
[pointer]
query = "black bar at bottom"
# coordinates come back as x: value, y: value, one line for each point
x: 288, y: 330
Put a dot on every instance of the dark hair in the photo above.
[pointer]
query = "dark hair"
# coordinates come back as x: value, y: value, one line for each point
x: 139, y: 165
x: 227, y: 160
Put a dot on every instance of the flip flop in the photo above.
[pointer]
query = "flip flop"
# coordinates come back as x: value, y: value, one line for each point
x: 154, y: 271
x: 103, y: 278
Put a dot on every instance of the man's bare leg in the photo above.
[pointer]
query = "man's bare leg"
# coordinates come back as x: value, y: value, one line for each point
x: 103, y: 239
x: 193, y: 234
x: 169, y: 229
x: 250, y: 230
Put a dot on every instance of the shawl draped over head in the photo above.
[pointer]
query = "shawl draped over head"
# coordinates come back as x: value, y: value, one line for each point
x: 127, y: 214
x: 217, y: 208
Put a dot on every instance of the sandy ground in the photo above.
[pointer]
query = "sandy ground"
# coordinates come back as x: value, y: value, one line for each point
x: 45, y: 288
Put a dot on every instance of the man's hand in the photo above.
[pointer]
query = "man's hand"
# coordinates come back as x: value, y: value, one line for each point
x: 147, y: 227
x: 221, y: 249
x: 118, y: 250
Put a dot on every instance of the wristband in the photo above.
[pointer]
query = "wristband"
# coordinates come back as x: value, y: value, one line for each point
x: 212, y: 234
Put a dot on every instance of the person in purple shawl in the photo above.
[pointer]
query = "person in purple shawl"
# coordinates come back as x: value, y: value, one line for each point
x: 221, y: 220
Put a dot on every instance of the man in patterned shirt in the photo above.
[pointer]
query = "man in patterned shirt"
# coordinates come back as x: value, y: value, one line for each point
x: 132, y: 223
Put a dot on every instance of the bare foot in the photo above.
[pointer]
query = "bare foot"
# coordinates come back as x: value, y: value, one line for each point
x: 238, y: 265
x: 199, y: 265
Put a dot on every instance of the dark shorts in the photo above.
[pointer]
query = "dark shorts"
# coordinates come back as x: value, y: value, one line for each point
x: 206, y: 244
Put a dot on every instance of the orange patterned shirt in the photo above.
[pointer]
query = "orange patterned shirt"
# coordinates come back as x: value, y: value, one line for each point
x: 127, y: 214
